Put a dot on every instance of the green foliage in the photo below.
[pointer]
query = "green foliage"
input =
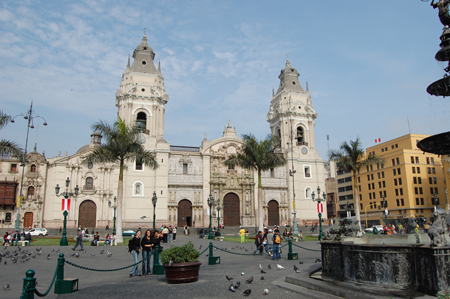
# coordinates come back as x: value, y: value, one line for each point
x: 180, y: 254
x: 8, y: 148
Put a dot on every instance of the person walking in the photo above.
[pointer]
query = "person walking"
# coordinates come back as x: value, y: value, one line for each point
x: 79, y: 240
x: 276, y: 245
x: 170, y: 235
x: 146, y: 244
x: 269, y: 243
x: 258, y: 242
x: 242, y: 233
x: 165, y: 233
x: 135, y: 250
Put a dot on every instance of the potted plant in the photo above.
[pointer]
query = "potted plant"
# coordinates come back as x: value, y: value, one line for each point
x: 181, y: 263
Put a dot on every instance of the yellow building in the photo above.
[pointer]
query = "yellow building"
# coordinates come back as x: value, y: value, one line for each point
x: 408, y: 181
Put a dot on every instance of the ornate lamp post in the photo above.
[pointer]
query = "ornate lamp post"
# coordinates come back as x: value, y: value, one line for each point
x: 66, y: 194
x: 114, y: 218
x: 385, y: 210
x: 154, y: 200
x: 30, y: 117
x: 319, y: 201
x: 210, y: 204
x: 219, y: 207
x: 291, y: 173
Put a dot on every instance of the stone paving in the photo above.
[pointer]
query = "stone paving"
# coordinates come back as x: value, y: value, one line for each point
x: 212, y: 282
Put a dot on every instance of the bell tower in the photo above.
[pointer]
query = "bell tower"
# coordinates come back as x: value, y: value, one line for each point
x: 141, y: 98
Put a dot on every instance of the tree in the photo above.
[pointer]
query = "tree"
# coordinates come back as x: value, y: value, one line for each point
x: 352, y: 157
x: 259, y: 156
x: 8, y: 148
x: 122, y: 144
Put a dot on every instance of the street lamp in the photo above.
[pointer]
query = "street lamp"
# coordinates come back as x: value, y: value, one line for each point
x: 30, y: 117
x: 219, y: 207
x: 154, y: 200
x: 210, y: 204
x: 291, y: 173
x: 435, y: 202
x: 347, y: 207
x: 385, y: 210
x: 319, y: 201
x: 114, y: 207
x: 66, y: 194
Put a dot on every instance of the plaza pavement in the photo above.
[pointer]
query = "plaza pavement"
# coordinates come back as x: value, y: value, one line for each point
x: 211, y: 284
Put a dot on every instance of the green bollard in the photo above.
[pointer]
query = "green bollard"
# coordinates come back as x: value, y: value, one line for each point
x: 29, y: 284
x: 212, y: 260
x: 157, y: 268
x: 291, y: 255
x: 64, y: 286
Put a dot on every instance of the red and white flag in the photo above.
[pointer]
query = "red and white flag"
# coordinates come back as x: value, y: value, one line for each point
x: 378, y: 140
x: 319, y: 208
x: 65, y: 204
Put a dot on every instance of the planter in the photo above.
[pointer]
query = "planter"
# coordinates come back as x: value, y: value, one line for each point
x: 182, y: 272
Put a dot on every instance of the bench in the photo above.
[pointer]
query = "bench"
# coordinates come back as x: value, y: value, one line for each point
x: 24, y: 242
x: 219, y: 238
x: 295, y: 239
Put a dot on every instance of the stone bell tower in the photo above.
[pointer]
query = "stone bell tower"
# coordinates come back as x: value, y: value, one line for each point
x: 141, y: 98
x: 292, y: 118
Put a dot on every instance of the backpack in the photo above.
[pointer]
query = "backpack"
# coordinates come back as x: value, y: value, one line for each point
x: 130, y: 245
x: 277, y: 239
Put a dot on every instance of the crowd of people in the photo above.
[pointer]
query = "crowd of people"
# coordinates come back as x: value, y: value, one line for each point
x: 13, y: 238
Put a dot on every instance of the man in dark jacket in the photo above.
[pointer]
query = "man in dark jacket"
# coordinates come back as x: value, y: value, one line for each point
x: 135, y: 250
x: 258, y: 242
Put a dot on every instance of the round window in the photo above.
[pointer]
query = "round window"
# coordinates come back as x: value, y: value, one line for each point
x: 143, y: 89
x: 144, y: 62
x: 145, y: 48
x: 90, y: 165
x: 293, y: 82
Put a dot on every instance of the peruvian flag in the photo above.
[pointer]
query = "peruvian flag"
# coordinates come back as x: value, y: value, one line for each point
x: 65, y: 204
x: 378, y: 140
x: 319, y: 208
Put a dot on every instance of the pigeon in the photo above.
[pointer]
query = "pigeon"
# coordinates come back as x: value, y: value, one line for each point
x: 77, y: 254
x: 101, y: 252
x: 263, y: 272
x: 207, y: 254
x: 318, y: 260
x: 200, y: 247
x: 93, y: 254
x: 57, y: 251
x: 73, y: 254
x: 262, y: 277
x: 250, y: 280
x: 19, y: 249
x: 300, y: 262
x: 6, y: 287
x: 109, y: 254
x: 280, y: 267
x: 38, y: 249
x: 84, y: 251
x: 242, y: 274
x: 260, y: 267
x: 53, y: 250
x: 39, y: 252
x: 48, y: 255
x: 296, y: 269
x: 229, y: 278
x: 48, y: 258
x: 246, y: 249
x: 266, y: 292
x: 269, y: 267
x: 247, y: 292
x: 236, y: 286
x: 231, y: 288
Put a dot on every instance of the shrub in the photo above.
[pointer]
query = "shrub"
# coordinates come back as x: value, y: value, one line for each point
x: 180, y: 254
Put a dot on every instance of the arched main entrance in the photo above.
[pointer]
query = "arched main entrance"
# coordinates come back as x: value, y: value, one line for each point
x: 87, y: 214
x: 231, y: 210
x: 184, y: 213
x: 273, y: 213
x: 28, y: 220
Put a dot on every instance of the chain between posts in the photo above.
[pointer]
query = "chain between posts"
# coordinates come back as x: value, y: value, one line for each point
x: 107, y: 270
x: 204, y: 251
x: 305, y: 248
x: 50, y: 287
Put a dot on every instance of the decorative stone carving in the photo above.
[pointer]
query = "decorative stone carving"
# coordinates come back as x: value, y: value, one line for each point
x: 437, y: 230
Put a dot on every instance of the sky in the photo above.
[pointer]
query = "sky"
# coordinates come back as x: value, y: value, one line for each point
x: 367, y: 64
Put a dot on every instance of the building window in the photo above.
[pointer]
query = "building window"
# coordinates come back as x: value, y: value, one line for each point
x: 30, y: 191
x: 368, y: 186
x: 185, y: 168
x: 373, y: 185
x: 382, y: 150
x: 379, y: 184
x: 413, y: 170
x: 300, y: 135
x: 420, y: 190
x: 359, y: 179
x: 399, y: 181
x: 371, y: 176
x: 417, y: 201
x: 433, y: 170
x: 415, y: 180
x: 393, y: 162
x: 141, y: 121
x: 384, y: 193
x: 392, y: 146
x: 33, y: 168
x: 359, y: 188
x: 272, y: 174
x: 431, y: 190
x: 379, y: 175
x: 417, y: 160
x: 394, y: 171
x: 436, y: 190
x: 395, y: 182
x: 419, y: 180
x: 430, y: 180
x: 373, y: 195
x: 307, y: 171
x: 432, y: 161
x: 370, y: 195
x: 403, y: 202
x: 371, y: 167
x: 139, y: 165
x: 412, y: 159
x: 398, y: 171
x: 418, y: 169
x: 384, y: 184
x: 8, y: 217
x: 382, y: 174
x: 435, y: 180
x: 378, y: 165
x: 13, y: 167
x: 381, y: 194
x: 428, y: 160
x: 397, y: 160
x: 429, y: 170
x: 89, y: 183
x: 421, y: 201
x: 368, y: 177
x: 416, y: 190
x: 398, y: 203
x: 396, y: 192
x: 401, y: 191
x: 396, y: 145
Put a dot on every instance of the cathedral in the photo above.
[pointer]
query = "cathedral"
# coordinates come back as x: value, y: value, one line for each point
x: 186, y: 175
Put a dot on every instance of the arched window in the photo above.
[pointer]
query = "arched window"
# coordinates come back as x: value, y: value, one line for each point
x: 300, y: 138
x: 89, y: 183
x: 141, y: 120
x: 30, y: 191
x: 308, y: 192
x: 33, y: 168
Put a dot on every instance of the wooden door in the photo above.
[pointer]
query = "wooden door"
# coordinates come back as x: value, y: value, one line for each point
x: 273, y: 213
x: 231, y: 210
x: 184, y: 213
x: 87, y: 214
x: 28, y: 220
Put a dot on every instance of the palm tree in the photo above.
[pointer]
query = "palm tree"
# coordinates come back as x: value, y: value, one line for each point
x: 352, y: 157
x: 8, y: 148
x: 122, y: 145
x: 259, y: 156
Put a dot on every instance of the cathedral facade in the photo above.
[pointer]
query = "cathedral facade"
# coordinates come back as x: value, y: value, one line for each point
x: 186, y: 176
